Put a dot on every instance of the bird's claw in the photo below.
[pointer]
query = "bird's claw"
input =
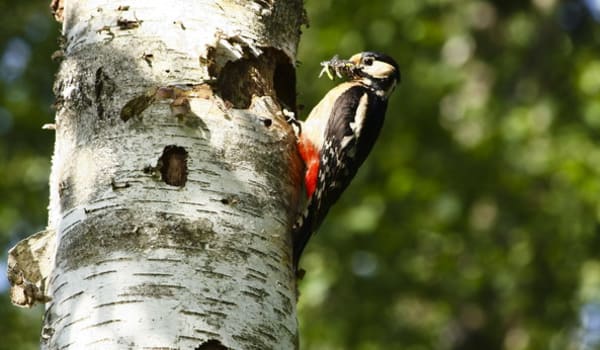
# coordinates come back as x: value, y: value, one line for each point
x: 290, y: 118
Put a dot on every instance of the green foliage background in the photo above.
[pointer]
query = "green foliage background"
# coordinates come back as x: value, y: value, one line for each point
x: 475, y: 222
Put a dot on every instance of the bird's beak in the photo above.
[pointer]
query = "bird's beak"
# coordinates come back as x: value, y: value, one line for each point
x: 355, y: 59
x: 338, y: 67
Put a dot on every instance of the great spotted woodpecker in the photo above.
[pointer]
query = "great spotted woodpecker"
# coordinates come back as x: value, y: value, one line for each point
x: 339, y: 133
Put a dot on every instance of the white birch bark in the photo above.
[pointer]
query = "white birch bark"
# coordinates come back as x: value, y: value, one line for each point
x: 171, y: 189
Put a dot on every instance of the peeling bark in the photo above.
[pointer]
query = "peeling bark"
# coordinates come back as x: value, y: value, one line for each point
x: 171, y: 190
x: 29, y: 265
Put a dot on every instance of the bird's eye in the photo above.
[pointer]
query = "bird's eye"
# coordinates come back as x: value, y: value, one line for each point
x: 368, y: 61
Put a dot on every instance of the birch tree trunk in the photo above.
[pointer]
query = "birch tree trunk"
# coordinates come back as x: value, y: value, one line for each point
x: 171, y: 190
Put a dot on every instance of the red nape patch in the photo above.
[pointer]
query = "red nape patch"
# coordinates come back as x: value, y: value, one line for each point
x: 310, y: 155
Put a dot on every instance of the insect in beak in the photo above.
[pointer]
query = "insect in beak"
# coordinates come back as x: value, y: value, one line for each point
x: 338, y: 67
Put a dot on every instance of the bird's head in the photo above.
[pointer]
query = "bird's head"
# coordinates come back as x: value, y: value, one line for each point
x: 376, y: 70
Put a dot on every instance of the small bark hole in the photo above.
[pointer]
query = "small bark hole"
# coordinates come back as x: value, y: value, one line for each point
x: 211, y: 345
x: 148, y: 169
x: 230, y: 200
x: 173, y: 165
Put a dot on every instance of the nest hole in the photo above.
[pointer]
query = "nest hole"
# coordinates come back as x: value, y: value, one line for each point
x: 172, y: 165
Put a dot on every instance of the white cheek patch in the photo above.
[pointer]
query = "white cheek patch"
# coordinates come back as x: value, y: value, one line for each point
x: 380, y: 70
